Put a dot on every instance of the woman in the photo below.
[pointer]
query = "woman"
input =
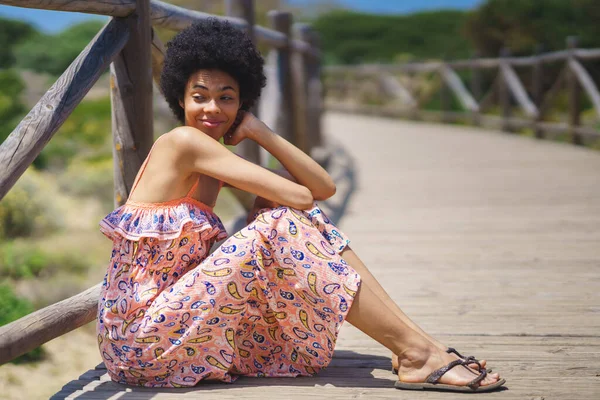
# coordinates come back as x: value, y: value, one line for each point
x: 271, y: 299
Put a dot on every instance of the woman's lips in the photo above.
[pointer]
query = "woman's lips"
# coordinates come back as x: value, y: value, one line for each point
x: 211, y: 124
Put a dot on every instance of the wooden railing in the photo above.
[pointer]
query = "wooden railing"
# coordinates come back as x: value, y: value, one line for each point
x: 531, y: 96
x: 135, y: 55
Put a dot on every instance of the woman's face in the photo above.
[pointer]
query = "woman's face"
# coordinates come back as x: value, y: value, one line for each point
x: 211, y: 102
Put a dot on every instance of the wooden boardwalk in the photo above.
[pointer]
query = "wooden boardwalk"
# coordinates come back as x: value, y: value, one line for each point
x: 489, y: 241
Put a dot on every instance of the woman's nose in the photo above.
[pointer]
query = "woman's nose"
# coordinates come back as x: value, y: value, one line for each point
x: 212, y: 106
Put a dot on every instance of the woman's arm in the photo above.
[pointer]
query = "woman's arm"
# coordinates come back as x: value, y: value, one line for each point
x: 303, y: 169
x: 197, y: 152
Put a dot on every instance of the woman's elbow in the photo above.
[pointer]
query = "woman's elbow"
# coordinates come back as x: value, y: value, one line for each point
x: 326, y: 192
x: 303, y: 200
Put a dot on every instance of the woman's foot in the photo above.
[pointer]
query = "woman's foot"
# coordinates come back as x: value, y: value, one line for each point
x: 417, y: 364
x: 473, y: 365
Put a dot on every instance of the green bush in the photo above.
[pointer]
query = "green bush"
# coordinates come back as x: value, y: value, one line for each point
x: 92, y: 178
x: 22, y: 259
x: 34, y: 54
x: 11, y: 108
x: 12, y: 33
x: 29, y: 207
x: 11, y: 309
x: 85, y: 134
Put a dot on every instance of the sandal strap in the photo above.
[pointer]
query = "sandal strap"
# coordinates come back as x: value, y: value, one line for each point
x: 470, y: 359
x: 451, y: 350
x: 435, y: 376
x: 475, y: 382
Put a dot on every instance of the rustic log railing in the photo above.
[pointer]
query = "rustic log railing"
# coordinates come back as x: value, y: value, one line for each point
x: 135, y: 55
x: 509, y: 90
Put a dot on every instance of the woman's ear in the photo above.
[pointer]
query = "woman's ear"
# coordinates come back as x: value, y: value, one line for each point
x: 181, y: 104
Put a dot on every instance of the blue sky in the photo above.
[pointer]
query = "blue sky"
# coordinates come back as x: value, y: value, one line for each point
x: 53, y: 21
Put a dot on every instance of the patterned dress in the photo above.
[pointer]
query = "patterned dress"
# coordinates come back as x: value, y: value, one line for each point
x: 269, y: 301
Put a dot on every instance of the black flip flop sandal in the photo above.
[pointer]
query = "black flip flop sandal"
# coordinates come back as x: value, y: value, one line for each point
x: 431, y: 383
x: 452, y: 350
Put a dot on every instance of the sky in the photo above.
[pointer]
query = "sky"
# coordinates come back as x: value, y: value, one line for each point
x: 54, y: 21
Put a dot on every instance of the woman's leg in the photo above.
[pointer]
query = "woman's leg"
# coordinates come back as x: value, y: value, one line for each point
x: 418, y: 357
x: 352, y: 258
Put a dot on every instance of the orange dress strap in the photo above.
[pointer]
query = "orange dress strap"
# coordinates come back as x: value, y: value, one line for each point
x: 143, y: 168
x: 193, y: 189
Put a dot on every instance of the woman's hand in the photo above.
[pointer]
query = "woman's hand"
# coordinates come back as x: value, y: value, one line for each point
x: 250, y: 128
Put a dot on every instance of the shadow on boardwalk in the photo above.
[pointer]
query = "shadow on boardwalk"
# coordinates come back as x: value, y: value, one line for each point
x: 348, y: 369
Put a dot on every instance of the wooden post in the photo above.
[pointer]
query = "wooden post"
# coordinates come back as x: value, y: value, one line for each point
x: 303, y: 64
x: 476, y: 88
x: 538, y: 91
x: 282, y: 22
x: 445, y: 99
x: 504, y: 93
x: 245, y: 9
x: 131, y: 97
x: 316, y: 96
x: 574, y: 94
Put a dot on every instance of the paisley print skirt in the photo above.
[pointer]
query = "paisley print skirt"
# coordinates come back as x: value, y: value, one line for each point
x: 268, y: 302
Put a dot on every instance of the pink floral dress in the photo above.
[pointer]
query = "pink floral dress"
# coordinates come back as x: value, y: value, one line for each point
x: 269, y: 301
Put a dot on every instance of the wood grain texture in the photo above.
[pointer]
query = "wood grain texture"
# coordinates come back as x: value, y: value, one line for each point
x: 28, y: 139
x: 131, y: 98
x: 244, y: 9
x: 39, y: 327
x: 115, y: 8
x: 282, y: 22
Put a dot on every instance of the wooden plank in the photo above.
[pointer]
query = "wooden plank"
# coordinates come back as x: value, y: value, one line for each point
x: 587, y: 83
x: 131, y: 99
x: 574, y: 91
x: 28, y: 139
x: 518, y: 91
x: 115, y: 8
x: 587, y: 54
x: 158, y: 58
x: 357, y: 363
x: 245, y: 9
x: 394, y: 88
x: 460, y: 91
x: 282, y: 22
x: 39, y: 327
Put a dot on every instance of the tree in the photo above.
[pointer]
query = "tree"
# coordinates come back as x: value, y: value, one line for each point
x: 351, y: 37
x: 11, y: 34
x: 54, y: 53
x: 522, y: 24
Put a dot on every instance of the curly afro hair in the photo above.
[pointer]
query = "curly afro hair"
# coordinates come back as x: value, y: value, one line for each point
x: 211, y: 44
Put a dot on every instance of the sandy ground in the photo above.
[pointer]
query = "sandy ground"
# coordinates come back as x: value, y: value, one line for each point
x: 67, y: 357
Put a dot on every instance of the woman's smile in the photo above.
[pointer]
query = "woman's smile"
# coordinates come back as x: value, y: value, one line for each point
x: 211, y: 123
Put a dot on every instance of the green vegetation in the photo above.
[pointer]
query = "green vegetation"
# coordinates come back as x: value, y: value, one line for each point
x: 521, y: 25
x: 33, y: 54
x: 12, y: 109
x: 352, y: 38
x: 24, y: 213
x: 11, y: 309
x: 12, y: 33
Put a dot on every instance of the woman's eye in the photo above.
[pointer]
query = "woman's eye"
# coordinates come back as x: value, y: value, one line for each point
x: 198, y: 97
x: 226, y: 98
